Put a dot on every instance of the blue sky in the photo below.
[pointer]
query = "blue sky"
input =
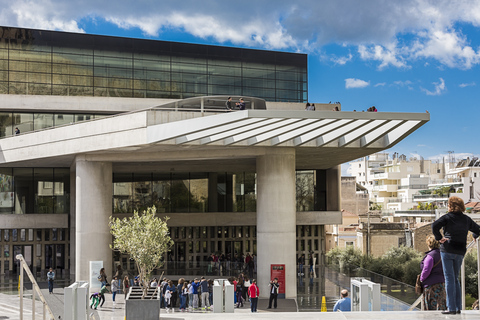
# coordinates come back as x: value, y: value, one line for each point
x: 401, y: 56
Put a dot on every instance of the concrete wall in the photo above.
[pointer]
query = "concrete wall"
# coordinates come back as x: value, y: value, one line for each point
x: 351, y: 200
x: 34, y: 221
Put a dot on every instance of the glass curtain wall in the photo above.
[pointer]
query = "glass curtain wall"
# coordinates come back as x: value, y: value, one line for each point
x: 34, y: 190
x: 60, y: 63
x: 27, y: 122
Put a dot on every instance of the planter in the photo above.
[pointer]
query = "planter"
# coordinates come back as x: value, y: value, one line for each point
x: 137, y: 308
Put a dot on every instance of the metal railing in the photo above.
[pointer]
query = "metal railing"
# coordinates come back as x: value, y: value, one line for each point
x: 35, y: 288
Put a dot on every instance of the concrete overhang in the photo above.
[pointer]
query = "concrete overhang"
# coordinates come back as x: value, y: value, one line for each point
x: 322, y: 139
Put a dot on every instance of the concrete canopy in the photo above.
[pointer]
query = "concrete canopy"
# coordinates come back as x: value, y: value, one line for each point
x: 322, y: 139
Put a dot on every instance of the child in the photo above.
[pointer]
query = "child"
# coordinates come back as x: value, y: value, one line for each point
x: 168, y: 296
x: 95, y: 297
x: 114, y: 289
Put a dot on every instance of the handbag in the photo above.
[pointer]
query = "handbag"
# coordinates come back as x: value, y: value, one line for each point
x: 418, y: 283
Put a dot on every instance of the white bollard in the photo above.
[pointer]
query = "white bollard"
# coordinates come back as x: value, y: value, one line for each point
x: 69, y: 298
x: 217, y: 297
x: 229, y: 297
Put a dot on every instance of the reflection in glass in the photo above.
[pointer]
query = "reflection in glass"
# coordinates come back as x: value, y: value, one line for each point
x: 42, y: 121
x: 6, y: 190
x: 122, y: 193
x: 6, y: 128
x: 305, y: 189
x: 43, y: 182
x: 63, y: 119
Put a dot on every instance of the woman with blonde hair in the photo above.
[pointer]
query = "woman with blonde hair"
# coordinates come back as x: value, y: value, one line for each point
x: 432, y: 278
x: 453, y: 247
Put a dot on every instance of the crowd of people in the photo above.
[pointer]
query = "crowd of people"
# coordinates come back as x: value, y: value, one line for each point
x: 195, y: 294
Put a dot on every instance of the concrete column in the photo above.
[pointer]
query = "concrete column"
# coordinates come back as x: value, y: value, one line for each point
x: 276, y: 218
x: 93, y: 207
x: 334, y: 188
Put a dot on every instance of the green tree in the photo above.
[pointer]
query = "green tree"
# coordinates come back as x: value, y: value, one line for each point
x: 145, y: 238
x: 471, y: 274
x: 375, y: 206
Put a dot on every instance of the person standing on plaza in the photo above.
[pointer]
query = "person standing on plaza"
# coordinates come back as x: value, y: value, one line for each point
x: 173, y: 294
x: 190, y: 295
x: 118, y: 274
x: 114, y: 290
x: 17, y: 131
x: 195, y: 286
x: 432, y: 278
x: 103, y: 277
x: 344, y: 304
x: 253, y: 293
x: 183, y: 295
x: 51, y: 278
x: 126, y: 286
x: 455, y: 227
x: 239, y: 292
x: 205, y: 294
x: 274, y: 286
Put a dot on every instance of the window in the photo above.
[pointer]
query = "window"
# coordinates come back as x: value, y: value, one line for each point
x: 349, y: 244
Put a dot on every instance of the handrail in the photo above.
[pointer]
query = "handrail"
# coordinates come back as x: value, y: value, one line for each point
x: 415, y: 304
x: 35, y: 287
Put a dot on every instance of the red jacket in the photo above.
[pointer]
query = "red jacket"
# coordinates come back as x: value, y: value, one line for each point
x: 253, y: 291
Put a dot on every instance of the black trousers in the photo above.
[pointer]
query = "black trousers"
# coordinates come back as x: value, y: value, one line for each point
x: 273, y: 297
x: 102, y: 300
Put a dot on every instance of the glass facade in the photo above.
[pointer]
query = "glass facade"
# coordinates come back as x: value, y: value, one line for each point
x: 40, y: 253
x: 27, y: 121
x: 69, y: 64
x: 34, y: 190
x: 47, y: 190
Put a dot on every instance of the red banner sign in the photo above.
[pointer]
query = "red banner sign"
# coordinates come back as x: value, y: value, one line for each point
x: 278, y: 271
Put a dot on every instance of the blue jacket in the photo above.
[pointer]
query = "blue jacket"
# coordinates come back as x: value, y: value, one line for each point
x: 195, y: 286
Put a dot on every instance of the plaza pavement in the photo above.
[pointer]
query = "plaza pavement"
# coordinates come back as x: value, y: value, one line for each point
x: 9, y: 310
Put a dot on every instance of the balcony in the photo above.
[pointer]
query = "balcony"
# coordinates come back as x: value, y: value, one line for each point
x: 388, y: 175
x: 386, y: 188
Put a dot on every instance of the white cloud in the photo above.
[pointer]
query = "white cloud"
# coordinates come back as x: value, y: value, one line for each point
x: 385, y: 55
x: 390, y: 33
x: 403, y: 83
x: 464, y: 85
x: 380, y: 84
x: 342, y: 60
x: 351, y: 83
x: 439, y: 88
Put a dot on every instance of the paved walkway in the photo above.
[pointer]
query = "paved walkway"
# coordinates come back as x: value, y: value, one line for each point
x: 9, y: 310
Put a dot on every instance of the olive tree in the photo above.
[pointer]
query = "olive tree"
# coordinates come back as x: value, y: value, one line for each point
x: 145, y: 238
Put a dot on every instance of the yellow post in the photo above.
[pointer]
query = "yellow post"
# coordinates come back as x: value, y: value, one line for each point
x: 324, y: 305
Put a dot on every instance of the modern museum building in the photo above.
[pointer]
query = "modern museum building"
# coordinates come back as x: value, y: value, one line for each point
x: 98, y: 126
